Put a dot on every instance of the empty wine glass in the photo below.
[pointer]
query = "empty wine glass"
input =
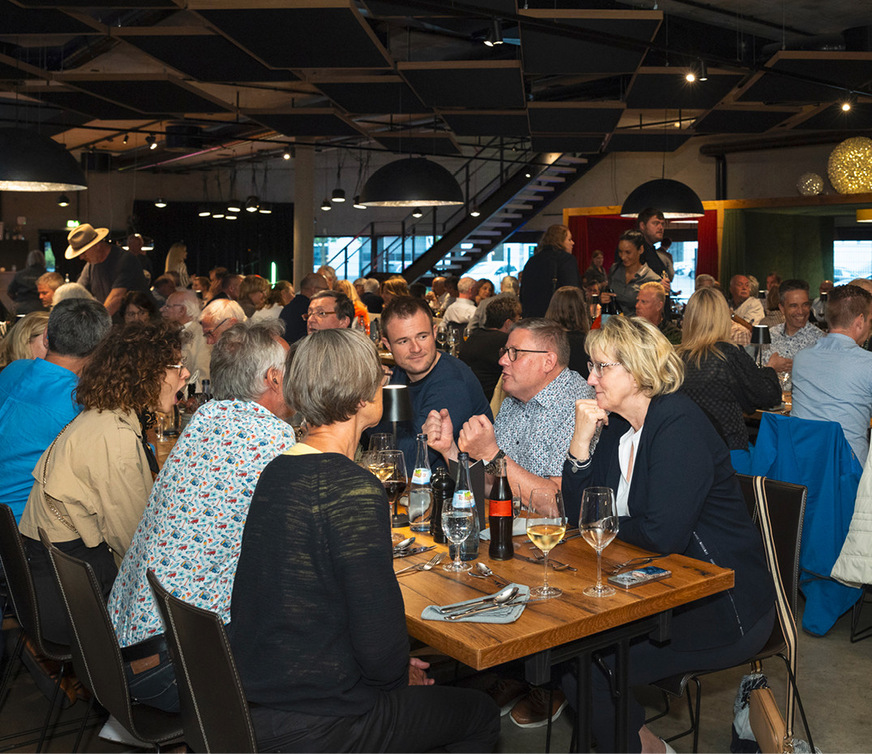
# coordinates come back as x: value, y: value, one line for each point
x: 381, y: 441
x: 599, y: 526
x: 441, y: 335
x: 546, y: 524
x: 457, y: 516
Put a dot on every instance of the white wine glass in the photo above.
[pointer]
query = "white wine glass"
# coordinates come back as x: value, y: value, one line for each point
x: 599, y: 526
x: 457, y: 520
x: 381, y: 441
x: 546, y: 525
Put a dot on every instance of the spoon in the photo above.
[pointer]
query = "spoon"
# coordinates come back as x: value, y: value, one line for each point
x: 497, y: 599
x: 404, y: 544
x: 482, y: 571
x: 501, y: 599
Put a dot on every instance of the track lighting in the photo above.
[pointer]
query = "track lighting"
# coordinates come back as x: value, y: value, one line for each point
x: 151, y: 141
x: 495, y: 35
x: 125, y: 139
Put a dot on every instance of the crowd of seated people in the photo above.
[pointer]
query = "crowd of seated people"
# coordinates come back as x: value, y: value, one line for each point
x: 243, y: 520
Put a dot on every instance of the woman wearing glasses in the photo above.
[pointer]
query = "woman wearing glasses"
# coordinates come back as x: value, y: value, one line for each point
x: 676, y: 492
x: 318, y: 630
x: 92, y: 483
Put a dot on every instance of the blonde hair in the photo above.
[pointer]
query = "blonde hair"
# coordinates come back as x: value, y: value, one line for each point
x: 345, y: 286
x: 642, y: 350
x: 706, y: 323
x: 658, y: 288
x: 554, y: 236
x: 396, y: 286
x: 251, y: 284
x: 175, y: 257
x: 16, y: 345
x: 329, y: 374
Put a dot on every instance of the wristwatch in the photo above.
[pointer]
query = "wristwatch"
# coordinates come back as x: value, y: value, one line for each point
x: 491, y: 466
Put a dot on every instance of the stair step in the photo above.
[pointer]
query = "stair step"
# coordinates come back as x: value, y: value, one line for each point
x: 561, y: 170
x: 480, y: 232
x: 495, y: 224
x: 519, y: 206
x: 510, y: 215
x: 573, y: 160
x: 552, y: 179
x: 531, y: 198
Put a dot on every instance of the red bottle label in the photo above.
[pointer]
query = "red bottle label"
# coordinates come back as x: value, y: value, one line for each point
x: 499, y: 507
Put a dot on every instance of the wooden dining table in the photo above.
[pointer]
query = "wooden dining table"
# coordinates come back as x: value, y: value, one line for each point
x: 570, y: 627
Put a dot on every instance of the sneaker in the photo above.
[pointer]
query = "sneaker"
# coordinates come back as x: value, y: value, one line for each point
x: 532, y: 710
x: 506, y: 692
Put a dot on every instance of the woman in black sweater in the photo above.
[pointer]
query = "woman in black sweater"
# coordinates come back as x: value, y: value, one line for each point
x: 721, y: 378
x: 317, y: 620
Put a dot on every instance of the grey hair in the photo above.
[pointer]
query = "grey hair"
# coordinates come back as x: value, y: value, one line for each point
x: 465, y: 285
x: 76, y: 326
x: 548, y: 333
x: 71, y: 290
x: 330, y: 373
x: 242, y: 358
x: 223, y: 308
x: 190, y: 301
x: 35, y: 257
x: 371, y: 285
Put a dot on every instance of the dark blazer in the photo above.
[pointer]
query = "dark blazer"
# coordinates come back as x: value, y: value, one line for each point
x: 543, y: 274
x: 685, y: 498
x: 292, y: 316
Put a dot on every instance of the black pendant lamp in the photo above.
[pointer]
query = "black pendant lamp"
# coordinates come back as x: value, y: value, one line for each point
x: 30, y: 161
x: 673, y: 198
x: 411, y: 182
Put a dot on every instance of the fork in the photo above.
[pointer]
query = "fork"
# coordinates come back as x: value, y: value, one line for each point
x: 633, y: 563
x: 435, y: 560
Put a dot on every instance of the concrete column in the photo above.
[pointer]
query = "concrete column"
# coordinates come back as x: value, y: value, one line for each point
x: 304, y: 212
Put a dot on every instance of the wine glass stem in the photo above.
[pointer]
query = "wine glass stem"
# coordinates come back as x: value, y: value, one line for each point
x: 599, y: 569
x: 457, y: 563
x: 545, y: 563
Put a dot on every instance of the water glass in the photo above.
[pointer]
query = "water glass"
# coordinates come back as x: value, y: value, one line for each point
x: 598, y: 524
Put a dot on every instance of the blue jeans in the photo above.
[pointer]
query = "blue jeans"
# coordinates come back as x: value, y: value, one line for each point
x: 156, y: 686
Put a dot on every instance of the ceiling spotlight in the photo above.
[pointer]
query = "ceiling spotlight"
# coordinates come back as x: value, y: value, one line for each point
x: 703, y: 71
x: 160, y: 202
x: 475, y: 211
x: 63, y: 201
x: 418, y: 212
x: 251, y: 204
x: 265, y: 208
x: 203, y: 211
x: 326, y: 206
x: 690, y: 77
x: 125, y: 139
x: 357, y: 204
x: 219, y: 215
x: 234, y: 205
x: 151, y: 141
x: 286, y: 155
x: 495, y: 35
x: 338, y: 196
x: 528, y: 175
x: 846, y: 106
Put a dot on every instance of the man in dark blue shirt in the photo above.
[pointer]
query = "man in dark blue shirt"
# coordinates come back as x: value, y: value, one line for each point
x: 292, y: 314
x: 435, y: 380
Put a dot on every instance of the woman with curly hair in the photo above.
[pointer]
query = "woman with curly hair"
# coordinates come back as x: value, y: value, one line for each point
x: 92, y: 483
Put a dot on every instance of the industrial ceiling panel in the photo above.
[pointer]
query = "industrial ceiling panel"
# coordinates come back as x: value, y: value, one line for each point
x: 369, y: 95
x: 151, y: 96
x: 302, y: 37
x: 654, y: 88
x: 83, y: 4
x: 589, y: 144
x: 488, y: 123
x: 646, y: 142
x: 207, y: 58
x: 306, y: 122
x: 834, y: 118
x: 430, y: 143
x: 569, y: 118
x: 81, y: 102
x: 16, y: 20
x: 478, y: 86
x: 741, y: 121
x: 597, y: 42
x: 406, y: 10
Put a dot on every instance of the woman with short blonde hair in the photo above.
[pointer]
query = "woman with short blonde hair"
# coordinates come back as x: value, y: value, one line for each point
x: 253, y: 293
x: 26, y: 340
x: 675, y: 492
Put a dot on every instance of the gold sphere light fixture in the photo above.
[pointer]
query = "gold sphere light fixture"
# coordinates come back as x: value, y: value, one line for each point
x: 850, y: 166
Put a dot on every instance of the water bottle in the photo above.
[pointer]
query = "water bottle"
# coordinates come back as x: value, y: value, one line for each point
x: 442, y: 486
x: 463, y: 498
x: 421, y: 494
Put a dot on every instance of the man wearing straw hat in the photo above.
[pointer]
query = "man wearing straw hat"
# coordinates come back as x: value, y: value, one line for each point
x: 110, y: 271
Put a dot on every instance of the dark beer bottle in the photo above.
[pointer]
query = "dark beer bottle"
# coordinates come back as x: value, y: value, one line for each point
x: 500, y: 515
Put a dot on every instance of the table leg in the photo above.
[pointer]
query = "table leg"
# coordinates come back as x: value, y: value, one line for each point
x: 584, y: 703
x: 622, y: 691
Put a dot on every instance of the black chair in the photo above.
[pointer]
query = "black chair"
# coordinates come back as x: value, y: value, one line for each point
x: 778, y: 509
x: 212, y: 701
x: 96, y: 654
x: 23, y: 597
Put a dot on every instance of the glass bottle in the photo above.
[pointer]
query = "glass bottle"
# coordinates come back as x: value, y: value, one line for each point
x: 500, y: 515
x: 421, y: 494
x: 463, y: 498
x: 442, y: 486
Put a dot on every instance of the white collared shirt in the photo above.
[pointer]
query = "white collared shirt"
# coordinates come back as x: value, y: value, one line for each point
x: 628, y: 448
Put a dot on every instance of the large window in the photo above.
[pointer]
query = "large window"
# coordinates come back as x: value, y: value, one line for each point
x: 505, y: 259
x: 851, y: 259
x: 684, y: 259
x: 350, y: 256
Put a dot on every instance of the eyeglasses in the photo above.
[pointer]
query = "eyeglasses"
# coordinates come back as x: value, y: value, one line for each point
x: 597, y: 366
x: 513, y: 352
x: 318, y: 314
x: 208, y: 333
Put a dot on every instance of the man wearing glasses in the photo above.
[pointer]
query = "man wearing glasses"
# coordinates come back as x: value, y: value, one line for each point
x: 329, y: 310
x: 183, y: 306
x: 292, y: 314
x: 218, y: 317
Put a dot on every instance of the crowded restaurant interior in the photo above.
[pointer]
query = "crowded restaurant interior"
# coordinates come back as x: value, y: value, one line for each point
x: 413, y: 376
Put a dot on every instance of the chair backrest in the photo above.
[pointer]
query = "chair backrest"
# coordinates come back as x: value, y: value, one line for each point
x: 21, y: 589
x: 96, y: 655
x: 779, y: 511
x: 213, y: 706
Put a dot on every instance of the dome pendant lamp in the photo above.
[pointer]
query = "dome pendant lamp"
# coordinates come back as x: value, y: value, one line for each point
x: 30, y: 161
x: 673, y: 198
x: 411, y: 182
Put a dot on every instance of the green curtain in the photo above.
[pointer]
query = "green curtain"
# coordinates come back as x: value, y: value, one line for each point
x: 732, y: 247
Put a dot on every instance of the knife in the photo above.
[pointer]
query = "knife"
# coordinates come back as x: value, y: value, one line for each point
x: 413, y: 551
x: 555, y: 564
